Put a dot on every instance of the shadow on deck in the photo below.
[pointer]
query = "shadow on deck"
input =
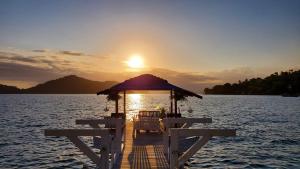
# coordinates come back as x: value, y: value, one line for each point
x: 144, y: 151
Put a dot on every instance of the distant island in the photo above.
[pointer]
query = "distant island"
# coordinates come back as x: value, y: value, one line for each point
x: 66, y: 85
x: 285, y: 84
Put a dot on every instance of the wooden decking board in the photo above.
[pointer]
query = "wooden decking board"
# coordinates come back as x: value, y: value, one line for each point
x: 144, y: 151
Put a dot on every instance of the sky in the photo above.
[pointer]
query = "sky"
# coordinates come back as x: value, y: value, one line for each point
x: 193, y: 43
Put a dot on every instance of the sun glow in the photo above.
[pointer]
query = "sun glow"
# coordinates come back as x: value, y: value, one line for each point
x: 135, y: 62
x: 135, y: 97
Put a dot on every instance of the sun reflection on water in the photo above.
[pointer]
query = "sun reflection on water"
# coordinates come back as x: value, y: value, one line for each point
x: 134, y: 104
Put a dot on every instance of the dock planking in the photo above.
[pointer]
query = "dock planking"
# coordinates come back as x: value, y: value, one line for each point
x: 143, y: 151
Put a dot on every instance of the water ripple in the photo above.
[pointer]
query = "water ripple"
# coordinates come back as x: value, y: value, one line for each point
x: 268, y: 127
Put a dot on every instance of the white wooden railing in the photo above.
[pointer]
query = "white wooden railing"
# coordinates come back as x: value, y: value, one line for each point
x: 173, y: 135
x: 176, y: 160
x: 183, y: 123
x: 115, y: 124
x: 174, y: 129
x: 74, y: 136
x: 110, y: 136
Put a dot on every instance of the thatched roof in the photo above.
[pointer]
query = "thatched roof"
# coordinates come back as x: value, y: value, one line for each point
x: 147, y: 82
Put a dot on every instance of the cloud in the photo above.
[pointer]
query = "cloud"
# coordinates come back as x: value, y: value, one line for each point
x: 19, y: 72
x: 240, y: 73
x: 61, y: 52
x: 40, y: 50
x: 72, y: 53
x: 16, y: 57
x: 190, y: 80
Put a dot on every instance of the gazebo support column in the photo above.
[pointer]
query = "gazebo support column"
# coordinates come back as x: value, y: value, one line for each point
x: 175, y: 104
x: 117, y: 106
x: 171, y: 99
x: 124, y: 102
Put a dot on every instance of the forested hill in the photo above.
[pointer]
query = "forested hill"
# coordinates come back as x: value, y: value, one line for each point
x: 66, y: 85
x: 284, y: 83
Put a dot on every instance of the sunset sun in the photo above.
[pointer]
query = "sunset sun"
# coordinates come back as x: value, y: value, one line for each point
x: 135, y: 62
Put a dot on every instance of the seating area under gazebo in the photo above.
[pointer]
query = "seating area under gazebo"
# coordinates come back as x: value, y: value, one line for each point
x: 146, y: 84
x: 152, y: 139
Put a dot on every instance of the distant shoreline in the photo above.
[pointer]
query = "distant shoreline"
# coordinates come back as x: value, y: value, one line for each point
x: 286, y: 84
x: 145, y: 94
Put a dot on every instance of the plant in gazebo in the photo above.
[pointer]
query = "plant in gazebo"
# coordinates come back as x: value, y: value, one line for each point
x: 162, y: 112
x: 114, y: 97
x: 179, y: 96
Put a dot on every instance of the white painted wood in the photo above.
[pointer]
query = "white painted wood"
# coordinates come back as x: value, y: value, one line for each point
x: 76, y: 132
x: 72, y: 134
x: 173, y: 153
x: 168, y: 122
x: 193, y: 149
x: 96, y: 122
x: 85, y: 149
x: 105, y: 152
x: 111, y: 142
x: 116, y: 123
x: 113, y: 123
x: 185, y: 122
x: 206, y: 134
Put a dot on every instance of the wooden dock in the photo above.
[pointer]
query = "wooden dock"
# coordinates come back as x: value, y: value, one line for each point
x: 146, y: 149
x: 143, y: 151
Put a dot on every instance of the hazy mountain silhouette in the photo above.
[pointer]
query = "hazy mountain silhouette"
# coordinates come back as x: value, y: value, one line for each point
x: 66, y: 85
x: 4, y: 89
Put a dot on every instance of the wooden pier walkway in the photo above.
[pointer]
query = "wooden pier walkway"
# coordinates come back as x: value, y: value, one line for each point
x: 143, y: 151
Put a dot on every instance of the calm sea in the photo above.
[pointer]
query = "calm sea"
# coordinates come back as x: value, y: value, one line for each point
x: 268, y: 129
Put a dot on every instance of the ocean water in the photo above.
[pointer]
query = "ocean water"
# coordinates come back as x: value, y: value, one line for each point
x: 268, y: 129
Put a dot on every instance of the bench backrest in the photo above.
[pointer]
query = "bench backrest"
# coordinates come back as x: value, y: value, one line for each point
x: 149, y: 113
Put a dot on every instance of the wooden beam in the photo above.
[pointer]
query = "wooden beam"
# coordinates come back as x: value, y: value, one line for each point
x: 170, y: 121
x: 93, y: 123
x: 98, y: 121
x: 117, y: 106
x: 175, y: 104
x: 105, y: 152
x: 85, y: 149
x: 173, y: 153
x: 72, y: 135
x: 117, y: 122
x: 171, y: 101
x: 205, y: 132
x: 193, y: 149
x: 76, y: 132
x: 124, y: 102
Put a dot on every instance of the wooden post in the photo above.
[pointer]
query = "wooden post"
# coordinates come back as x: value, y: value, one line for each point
x: 175, y: 104
x: 124, y: 102
x: 168, y: 122
x: 105, y: 152
x: 206, y: 134
x: 171, y: 99
x: 174, y: 149
x: 118, y: 123
x: 117, y: 106
x: 166, y: 137
x: 73, y: 136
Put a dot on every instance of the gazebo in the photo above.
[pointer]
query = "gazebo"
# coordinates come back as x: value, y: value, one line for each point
x: 144, y: 83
